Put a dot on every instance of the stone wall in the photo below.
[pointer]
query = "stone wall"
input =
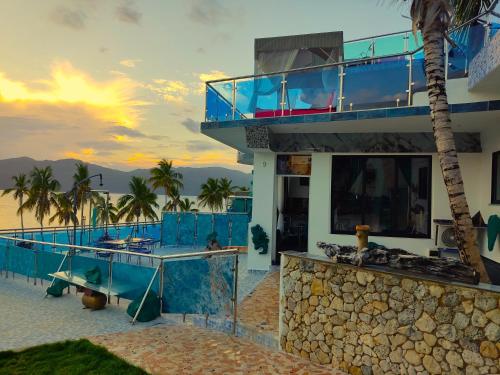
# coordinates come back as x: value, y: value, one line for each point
x: 366, y: 321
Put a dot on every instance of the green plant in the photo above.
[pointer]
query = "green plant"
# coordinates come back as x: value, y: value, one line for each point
x: 140, y: 201
x: 164, y: 176
x: 19, y: 190
x: 260, y: 239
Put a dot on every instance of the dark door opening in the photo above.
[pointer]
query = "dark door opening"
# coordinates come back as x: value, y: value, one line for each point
x: 293, y: 218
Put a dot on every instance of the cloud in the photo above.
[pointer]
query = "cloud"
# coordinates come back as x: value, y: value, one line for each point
x: 111, y: 100
x: 200, y: 146
x: 191, y: 125
x: 206, y: 158
x: 130, y: 63
x: 124, y: 132
x: 171, y: 91
x: 73, y: 19
x: 210, y: 76
x: 209, y: 12
x: 127, y: 13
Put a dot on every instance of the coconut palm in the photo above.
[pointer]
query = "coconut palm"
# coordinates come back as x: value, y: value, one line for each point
x: 43, y: 185
x: 81, y: 174
x: 187, y: 205
x: 141, y: 201
x: 19, y: 190
x: 165, y: 177
x: 64, y: 213
x: 433, y: 18
x: 226, y: 187
x: 174, y: 201
x: 211, y: 195
x: 106, y: 213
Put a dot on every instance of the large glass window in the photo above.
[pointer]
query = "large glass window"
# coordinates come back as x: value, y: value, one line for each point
x: 390, y: 194
x: 495, y: 179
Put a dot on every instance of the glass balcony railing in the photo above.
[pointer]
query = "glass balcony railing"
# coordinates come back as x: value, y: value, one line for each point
x: 382, y: 72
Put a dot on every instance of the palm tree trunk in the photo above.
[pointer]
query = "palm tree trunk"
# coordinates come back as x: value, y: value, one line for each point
x: 21, y: 214
x: 445, y: 143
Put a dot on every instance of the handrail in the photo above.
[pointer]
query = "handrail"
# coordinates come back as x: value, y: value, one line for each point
x: 126, y: 252
x: 488, y: 11
x: 50, y: 229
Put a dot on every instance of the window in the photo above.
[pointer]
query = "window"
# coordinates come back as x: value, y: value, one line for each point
x: 495, y: 179
x: 391, y: 194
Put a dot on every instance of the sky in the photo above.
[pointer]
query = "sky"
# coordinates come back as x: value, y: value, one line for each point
x: 120, y: 83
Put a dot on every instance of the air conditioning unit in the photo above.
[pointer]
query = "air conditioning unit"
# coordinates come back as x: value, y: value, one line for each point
x: 446, y: 242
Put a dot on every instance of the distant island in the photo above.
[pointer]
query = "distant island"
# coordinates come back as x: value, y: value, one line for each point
x: 114, y: 180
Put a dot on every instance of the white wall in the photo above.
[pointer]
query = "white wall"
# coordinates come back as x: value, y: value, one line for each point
x: 264, y: 207
x: 320, y: 203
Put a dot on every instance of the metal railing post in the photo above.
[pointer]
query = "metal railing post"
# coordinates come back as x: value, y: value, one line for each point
x: 283, y: 97
x: 233, y: 98
x: 406, y: 42
x: 341, y: 88
x: 206, y: 107
x: 110, y: 276
x: 160, y: 291
x: 410, y: 80
x: 235, y: 294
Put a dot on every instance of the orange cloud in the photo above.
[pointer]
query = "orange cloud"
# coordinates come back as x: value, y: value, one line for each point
x: 204, y: 77
x: 85, y: 154
x: 171, y: 91
x: 130, y: 63
x: 206, y: 158
x: 139, y: 159
x: 111, y: 101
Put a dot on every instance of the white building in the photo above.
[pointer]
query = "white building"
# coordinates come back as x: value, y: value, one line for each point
x: 341, y: 135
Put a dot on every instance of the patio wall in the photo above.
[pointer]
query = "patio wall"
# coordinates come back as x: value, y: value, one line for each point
x: 366, y: 321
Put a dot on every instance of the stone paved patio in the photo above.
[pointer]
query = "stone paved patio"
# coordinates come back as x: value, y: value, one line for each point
x: 260, y: 309
x: 192, y: 350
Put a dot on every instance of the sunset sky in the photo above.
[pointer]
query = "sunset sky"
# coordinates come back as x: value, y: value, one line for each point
x: 120, y: 83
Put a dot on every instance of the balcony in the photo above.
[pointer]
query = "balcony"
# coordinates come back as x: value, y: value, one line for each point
x: 379, y: 72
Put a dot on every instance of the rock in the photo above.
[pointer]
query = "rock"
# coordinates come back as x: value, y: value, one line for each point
x: 430, y: 339
x: 420, y: 292
x: 317, y: 328
x: 471, y: 370
x: 306, y: 291
x: 431, y: 365
x: 325, y: 302
x: 382, y: 339
x: 408, y: 345
x: 406, y: 316
x: 381, y: 306
x: 448, y: 331
x: 494, y: 316
x: 338, y: 332
x: 396, y: 293
x: 425, y: 323
x: 472, y: 358
x: 444, y: 314
x: 391, y: 327
x: 317, y: 287
x: 438, y: 353
x: 396, y: 356
x: 367, y: 340
x: 451, y: 299
x: 422, y: 347
x: 413, y: 358
x: 306, y: 346
x: 364, y: 278
x: 485, y: 303
x: 323, y: 357
x: 397, y: 340
x: 430, y: 305
x: 409, y: 285
x: 324, y: 347
x: 365, y: 317
x: 468, y: 306
x: 492, y: 332
x: 473, y: 333
x: 454, y: 359
x: 337, y: 303
x: 313, y: 301
x: 460, y: 321
x: 488, y: 350
x: 436, y: 291
x: 478, y: 318
x: 347, y: 287
x: 295, y: 274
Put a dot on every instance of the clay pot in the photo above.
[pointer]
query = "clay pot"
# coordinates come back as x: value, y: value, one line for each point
x: 362, y: 235
x: 94, y: 301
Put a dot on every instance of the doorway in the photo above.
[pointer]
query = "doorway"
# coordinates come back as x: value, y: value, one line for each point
x: 293, y: 213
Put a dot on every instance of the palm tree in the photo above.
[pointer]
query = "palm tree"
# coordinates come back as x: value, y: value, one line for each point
x: 81, y: 174
x: 140, y: 201
x: 43, y: 184
x: 174, y: 201
x: 433, y: 18
x: 105, y: 213
x: 19, y: 190
x: 211, y: 195
x: 64, y: 213
x: 164, y: 176
x: 187, y: 205
x: 226, y: 187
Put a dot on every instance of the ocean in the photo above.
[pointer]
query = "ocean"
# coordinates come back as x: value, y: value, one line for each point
x: 9, y: 218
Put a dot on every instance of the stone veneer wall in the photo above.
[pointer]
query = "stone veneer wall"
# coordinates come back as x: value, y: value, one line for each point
x: 370, y: 322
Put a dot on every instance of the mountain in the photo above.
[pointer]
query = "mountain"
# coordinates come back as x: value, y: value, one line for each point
x: 114, y: 180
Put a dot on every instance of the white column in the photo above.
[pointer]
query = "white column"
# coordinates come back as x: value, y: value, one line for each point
x: 264, y: 208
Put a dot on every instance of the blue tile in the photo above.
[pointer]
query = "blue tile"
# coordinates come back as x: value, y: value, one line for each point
x: 403, y: 112
x: 375, y: 113
x: 469, y: 107
x: 494, y: 105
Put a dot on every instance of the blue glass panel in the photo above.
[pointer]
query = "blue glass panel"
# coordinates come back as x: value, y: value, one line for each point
x: 413, y: 43
x: 198, y: 286
x: 376, y: 85
x: 239, y: 229
x: 204, y: 227
x: 170, y: 229
x: 358, y: 50
x: 223, y: 100
x: 217, y: 107
x: 313, y: 91
x: 134, y: 279
x: 259, y: 96
x: 390, y: 45
x: 221, y: 226
x: 186, y: 228
x: 418, y: 75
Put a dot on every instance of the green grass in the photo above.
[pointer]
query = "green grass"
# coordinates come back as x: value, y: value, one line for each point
x: 69, y: 357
